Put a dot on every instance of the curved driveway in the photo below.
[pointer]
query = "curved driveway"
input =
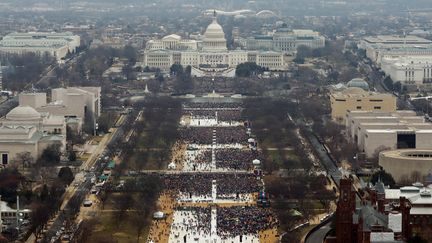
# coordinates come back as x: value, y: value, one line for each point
x: 318, y: 236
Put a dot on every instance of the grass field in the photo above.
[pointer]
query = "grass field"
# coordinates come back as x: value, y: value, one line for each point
x: 285, y: 158
x: 107, y: 229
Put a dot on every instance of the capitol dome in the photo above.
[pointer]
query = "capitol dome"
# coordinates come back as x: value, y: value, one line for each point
x: 23, y: 113
x: 214, y: 37
x: 215, y: 30
x: 358, y: 83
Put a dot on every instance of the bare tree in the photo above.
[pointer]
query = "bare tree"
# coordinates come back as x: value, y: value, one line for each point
x: 85, y: 229
x: 123, y: 202
x: 378, y: 150
x: 416, y: 176
x: 24, y: 159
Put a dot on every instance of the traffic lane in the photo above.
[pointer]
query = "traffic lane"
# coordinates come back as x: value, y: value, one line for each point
x: 319, y: 235
x: 325, y: 159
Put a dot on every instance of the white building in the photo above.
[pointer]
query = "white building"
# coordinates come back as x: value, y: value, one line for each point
x: 374, y: 131
x: 285, y: 40
x: 209, y: 57
x: 384, y: 45
x: 57, y: 45
x: 24, y: 130
x: 409, y: 70
x: 404, y: 162
x: 73, y: 103
x: 172, y: 42
x: 406, y: 59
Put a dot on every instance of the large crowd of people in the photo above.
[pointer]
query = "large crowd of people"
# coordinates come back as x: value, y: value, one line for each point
x: 199, y: 220
x: 233, y: 185
x: 230, y: 135
x: 190, y: 184
x: 229, y: 185
x: 204, y: 157
x: 197, y: 135
x: 239, y: 221
x: 224, y: 135
x: 238, y: 159
x: 222, y: 147
x: 213, y: 105
x: 229, y: 115
x: 210, y: 114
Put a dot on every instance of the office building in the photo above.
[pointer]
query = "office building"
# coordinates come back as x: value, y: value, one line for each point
x: 376, y: 131
x: 57, y: 45
x: 355, y: 98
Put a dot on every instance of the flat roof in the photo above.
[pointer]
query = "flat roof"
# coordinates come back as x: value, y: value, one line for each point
x: 421, y: 211
x: 390, y: 39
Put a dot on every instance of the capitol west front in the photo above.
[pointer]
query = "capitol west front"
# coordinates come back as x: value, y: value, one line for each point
x: 210, y: 57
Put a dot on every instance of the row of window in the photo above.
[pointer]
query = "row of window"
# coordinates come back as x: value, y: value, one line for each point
x: 371, y: 100
x: 375, y: 107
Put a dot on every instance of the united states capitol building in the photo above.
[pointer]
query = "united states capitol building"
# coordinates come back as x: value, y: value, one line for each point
x: 208, y: 56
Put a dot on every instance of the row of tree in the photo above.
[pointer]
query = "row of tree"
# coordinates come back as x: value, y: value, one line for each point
x: 23, y: 69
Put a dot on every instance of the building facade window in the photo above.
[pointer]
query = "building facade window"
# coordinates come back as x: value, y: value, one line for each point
x: 5, y: 159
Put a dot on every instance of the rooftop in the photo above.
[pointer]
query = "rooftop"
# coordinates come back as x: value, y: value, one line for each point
x: 392, y: 39
x: 23, y: 113
x: 357, y: 92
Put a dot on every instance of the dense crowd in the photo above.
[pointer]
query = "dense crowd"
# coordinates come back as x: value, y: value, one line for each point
x: 229, y: 115
x: 233, y: 185
x: 212, y: 105
x: 238, y: 159
x: 191, y: 184
x: 204, y: 157
x: 228, y: 185
x: 197, y: 135
x: 237, y: 221
x: 200, y: 113
x: 199, y: 222
x: 230, y: 135
x: 226, y: 141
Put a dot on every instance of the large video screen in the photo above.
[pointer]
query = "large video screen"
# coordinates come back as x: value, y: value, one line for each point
x: 406, y: 141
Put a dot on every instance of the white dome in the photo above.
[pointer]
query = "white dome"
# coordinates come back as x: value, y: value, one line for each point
x: 23, y: 113
x: 172, y: 166
x: 215, y: 27
x: 214, y: 37
x: 214, y: 31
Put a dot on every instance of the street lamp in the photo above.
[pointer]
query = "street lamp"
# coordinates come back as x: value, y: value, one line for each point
x: 18, y: 214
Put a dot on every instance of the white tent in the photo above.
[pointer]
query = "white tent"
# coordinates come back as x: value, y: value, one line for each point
x: 256, y: 162
x: 158, y: 215
x: 172, y: 166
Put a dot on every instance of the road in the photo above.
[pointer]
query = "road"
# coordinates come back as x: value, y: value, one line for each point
x: 325, y: 159
x: 8, y: 105
x: 50, y: 71
x: 336, y: 175
x: 80, y: 187
x: 319, y: 235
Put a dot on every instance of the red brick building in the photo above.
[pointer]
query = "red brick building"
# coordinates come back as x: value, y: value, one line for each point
x: 369, y: 219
